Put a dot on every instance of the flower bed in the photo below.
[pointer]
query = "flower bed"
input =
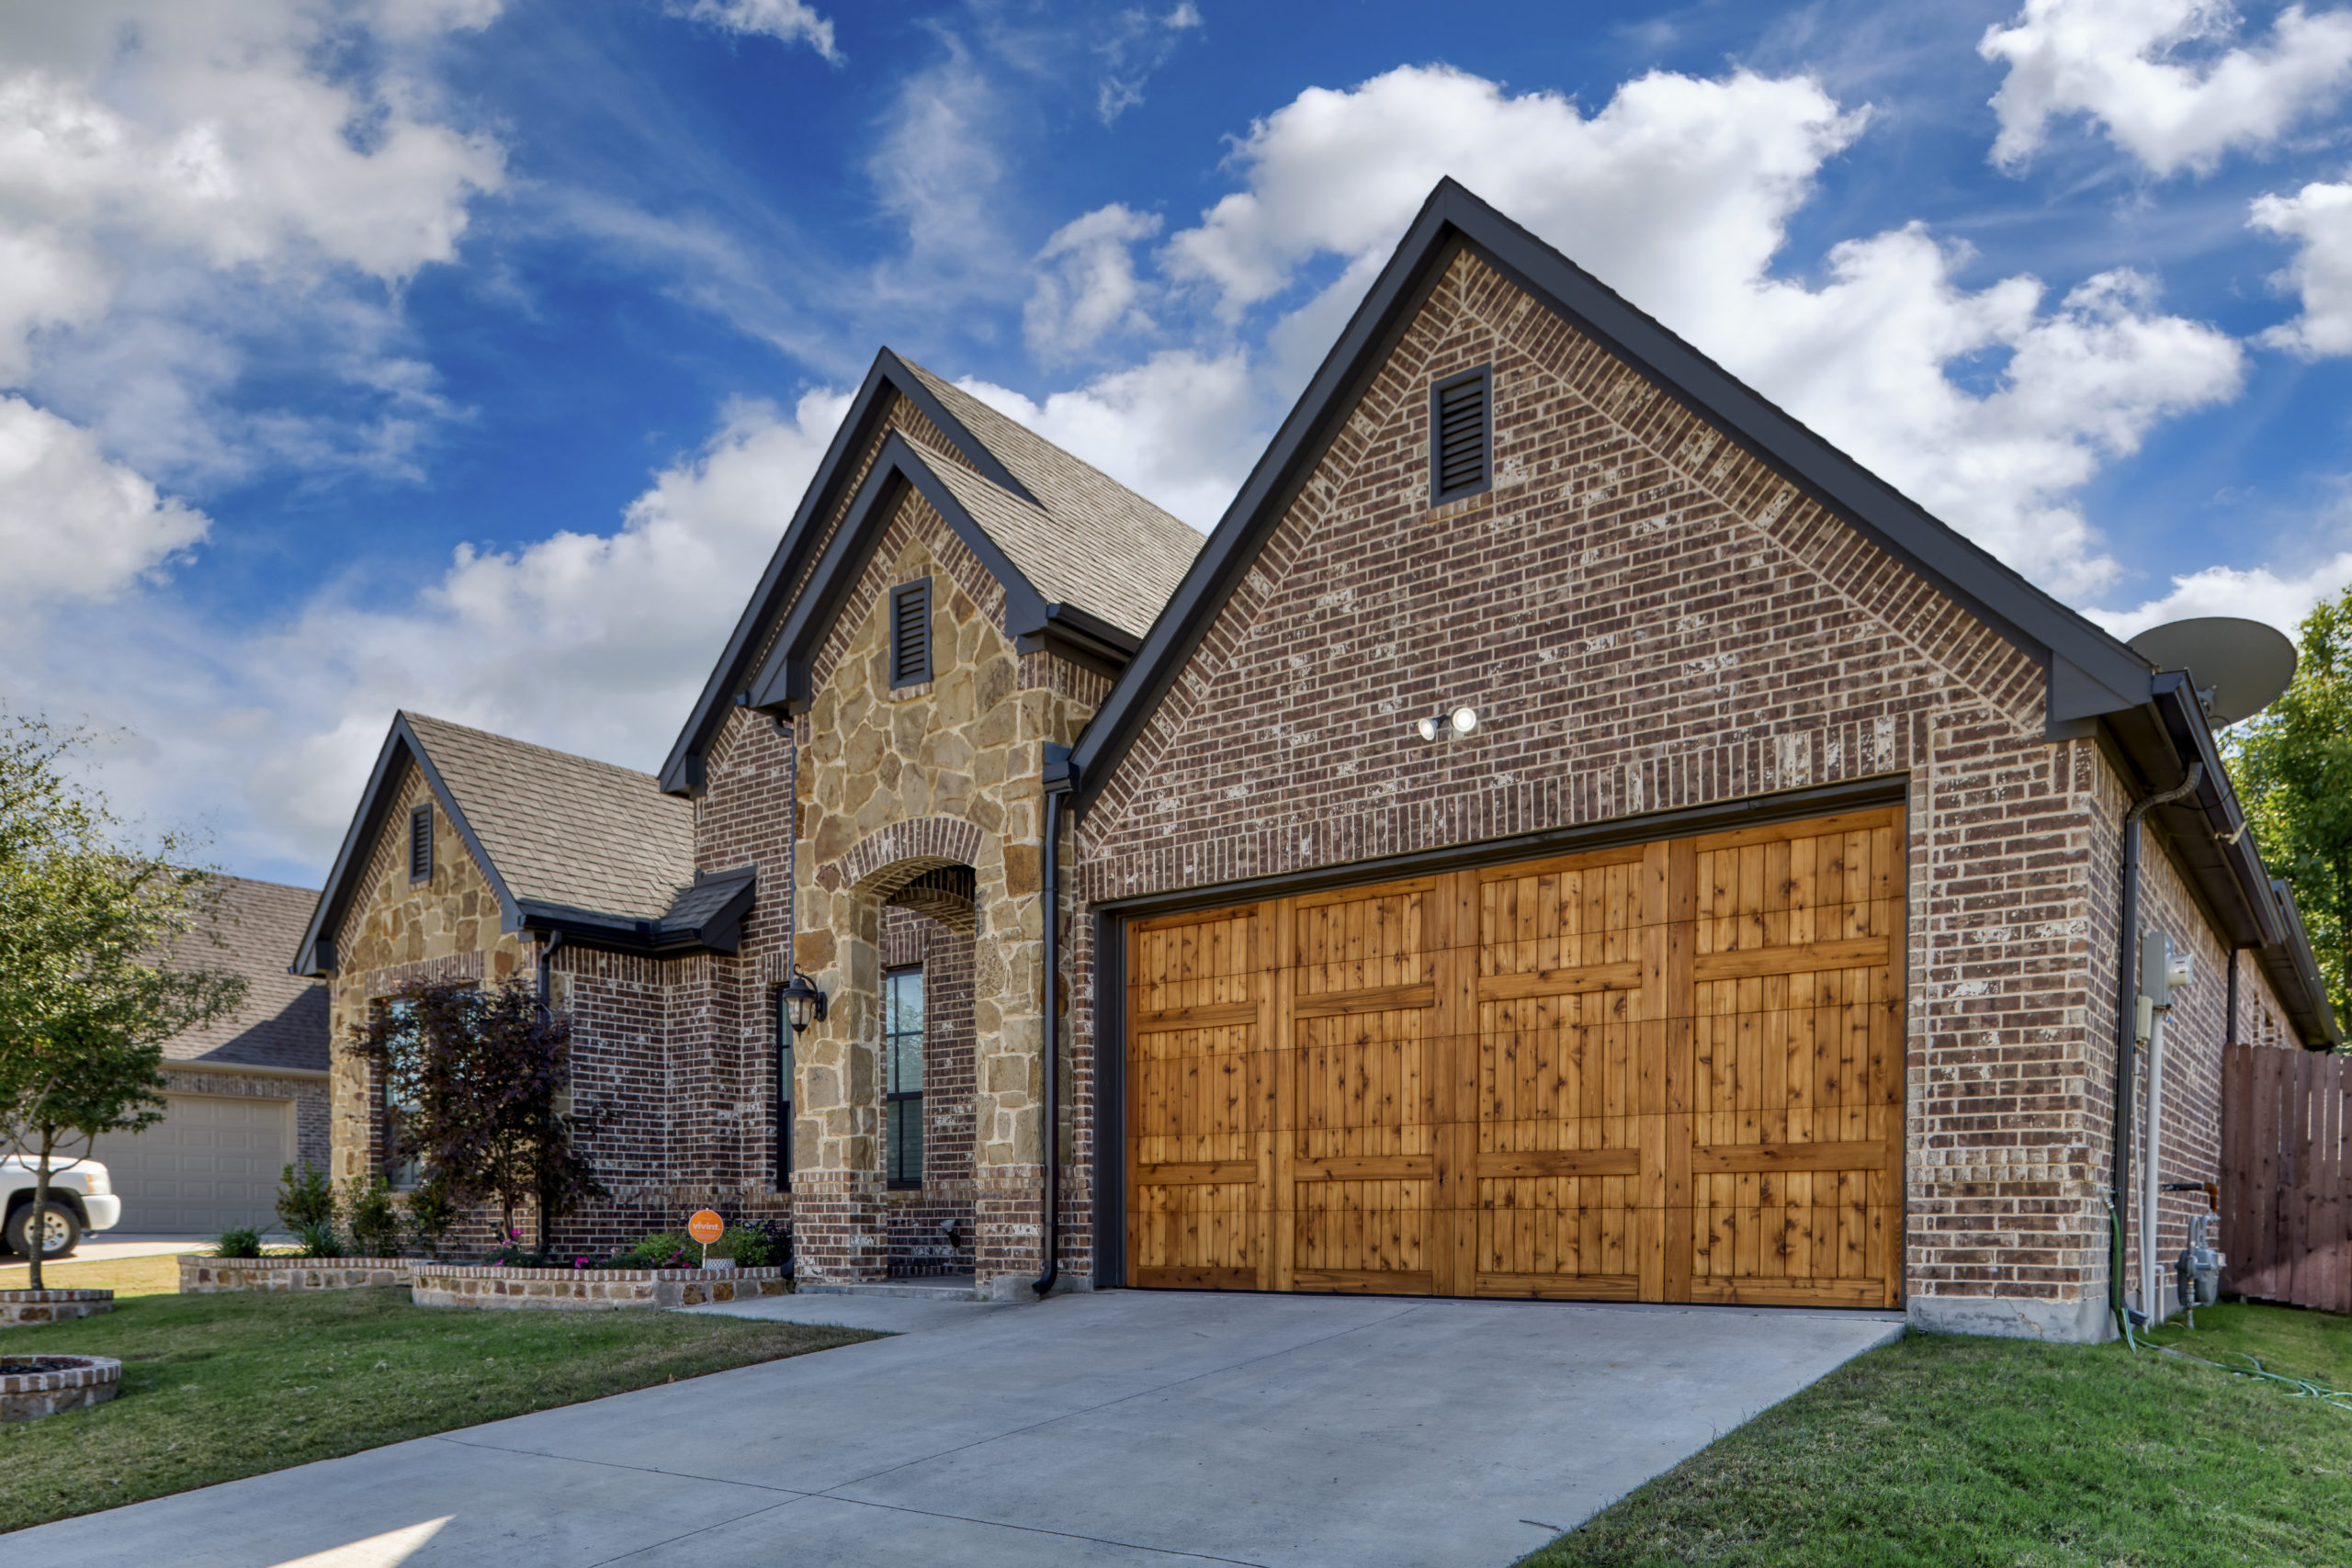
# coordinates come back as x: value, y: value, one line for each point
x: 51, y: 1306
x: 496, y: 1286
x: 35, y: 1386
x: 202, y: 1276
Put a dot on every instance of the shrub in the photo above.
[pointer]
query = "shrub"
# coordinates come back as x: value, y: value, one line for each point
x: 371, y: 1217
x: 238, y: 1240
x: 663, y: 1249
x: 431, y: 1215
x: 319, y: 1238
x: 763, y: 1246
x: 306, y: 1200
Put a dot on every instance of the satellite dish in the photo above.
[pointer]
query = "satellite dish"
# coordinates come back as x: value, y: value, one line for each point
x: 2239, y: 667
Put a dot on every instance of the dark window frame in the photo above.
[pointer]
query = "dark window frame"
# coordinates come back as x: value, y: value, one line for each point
x: 900, y: 1105
x: 919, y: 590
x: 401, y: 1173
x: 420, y: 835
x: 783, y: 1091
x: 1439, y: 494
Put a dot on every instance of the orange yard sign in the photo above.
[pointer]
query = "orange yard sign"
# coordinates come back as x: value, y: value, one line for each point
x: 706, y: 1227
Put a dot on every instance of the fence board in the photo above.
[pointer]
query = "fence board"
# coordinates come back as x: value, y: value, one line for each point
x: 2287, y: 1176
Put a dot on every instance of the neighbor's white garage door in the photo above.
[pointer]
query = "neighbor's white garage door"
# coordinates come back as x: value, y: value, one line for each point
x: 210, y: 1163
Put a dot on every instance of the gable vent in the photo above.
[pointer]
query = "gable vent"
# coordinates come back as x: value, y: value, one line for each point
x: 1460, y: 435
x: 420, y: 844
x: 910, y: 633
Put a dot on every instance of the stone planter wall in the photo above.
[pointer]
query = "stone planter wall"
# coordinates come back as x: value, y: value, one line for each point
x: 28, y: 1397
x: 202, y: 1276
x: 454, y: 1285
x: 50, y: 1306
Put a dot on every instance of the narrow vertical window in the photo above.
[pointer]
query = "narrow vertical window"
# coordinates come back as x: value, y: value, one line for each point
x: 910, y: 633
x: 783, y: 1096
x: 402, y: 1167
x: 902, y: 1032
x: 1461, y: 435
x: 420, y: 844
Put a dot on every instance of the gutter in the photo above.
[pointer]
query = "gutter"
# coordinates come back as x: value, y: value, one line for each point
x: 1060, y: 779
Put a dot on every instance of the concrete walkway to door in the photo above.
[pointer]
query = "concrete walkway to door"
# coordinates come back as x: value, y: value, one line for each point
x: 1129, y: 1427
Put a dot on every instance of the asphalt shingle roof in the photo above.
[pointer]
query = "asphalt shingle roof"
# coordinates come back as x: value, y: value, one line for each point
x: 1090, y: 541
x: 565, y: 830
x: 254, y: 930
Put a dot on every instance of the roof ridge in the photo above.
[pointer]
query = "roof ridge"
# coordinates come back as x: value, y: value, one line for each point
x: 413, y: 717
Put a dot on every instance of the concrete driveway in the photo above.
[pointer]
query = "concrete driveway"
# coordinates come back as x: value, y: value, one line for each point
x: 1127, y: 1427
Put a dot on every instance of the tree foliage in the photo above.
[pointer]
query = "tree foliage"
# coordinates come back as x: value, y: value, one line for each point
x: 2292, y: 765
x: 478, y: 1077
x: 89, y: 988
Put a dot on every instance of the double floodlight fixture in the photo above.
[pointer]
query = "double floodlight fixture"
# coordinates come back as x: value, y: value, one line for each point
x: 1437, y: 726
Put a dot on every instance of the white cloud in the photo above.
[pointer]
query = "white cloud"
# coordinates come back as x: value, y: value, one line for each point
x: 1182, y: 428
x: 180, y: 178
x: 73, y: 526
x: 1137, y: 44
x: 2320, y: 217
x: 1086, y: 283
x: 1988, y: 406
x: 594, y: 643
x: 787, y: 21
x: 2153, y: 74
x: 2260, y: 595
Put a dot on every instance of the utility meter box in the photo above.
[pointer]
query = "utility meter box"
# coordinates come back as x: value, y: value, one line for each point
x: 2162, y: 969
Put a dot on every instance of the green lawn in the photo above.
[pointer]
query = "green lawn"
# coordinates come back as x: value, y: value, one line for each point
x: 1946, y: 1452
x: 216, y: 1387
x: 158, y: 1276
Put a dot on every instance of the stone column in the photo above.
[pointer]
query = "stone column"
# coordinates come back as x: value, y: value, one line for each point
x: 839, y: 1235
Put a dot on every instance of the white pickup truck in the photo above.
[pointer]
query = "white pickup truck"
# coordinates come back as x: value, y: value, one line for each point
x: 80, y: 1199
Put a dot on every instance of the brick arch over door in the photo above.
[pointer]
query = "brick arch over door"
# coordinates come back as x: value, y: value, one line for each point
x: 906, y: 849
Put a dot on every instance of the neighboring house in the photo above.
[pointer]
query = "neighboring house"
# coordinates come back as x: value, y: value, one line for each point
x: 1758, y: 943
x: 247, y: 1095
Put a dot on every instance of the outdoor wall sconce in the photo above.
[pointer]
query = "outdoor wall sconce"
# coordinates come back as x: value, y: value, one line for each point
x: 804, y: 1004
x: 1461, y: 721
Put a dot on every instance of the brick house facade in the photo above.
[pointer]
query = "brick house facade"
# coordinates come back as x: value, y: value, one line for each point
x: 1679, y: 618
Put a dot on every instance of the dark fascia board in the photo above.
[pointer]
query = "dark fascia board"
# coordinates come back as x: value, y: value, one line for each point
x: 317, y: 953
x: 682, y: 773
x: 2089, y: 671
x: 2294, y: 974
x: 721, y: 931
x: 783, y: 683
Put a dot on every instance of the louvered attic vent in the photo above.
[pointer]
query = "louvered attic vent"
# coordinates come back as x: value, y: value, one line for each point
x: 1461, y: 435
x: 420, y: 844
x: 910, y: 633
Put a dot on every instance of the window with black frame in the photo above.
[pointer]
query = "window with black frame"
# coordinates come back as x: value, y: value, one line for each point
x: 783, y: 1096
x: 902, y: 1032
x: 402, y: 1169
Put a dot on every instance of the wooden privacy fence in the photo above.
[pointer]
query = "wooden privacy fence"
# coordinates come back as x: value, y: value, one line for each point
x: 2287, y: 1176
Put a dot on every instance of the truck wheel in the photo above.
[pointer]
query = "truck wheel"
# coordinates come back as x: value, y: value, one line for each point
x: 60, y: 1231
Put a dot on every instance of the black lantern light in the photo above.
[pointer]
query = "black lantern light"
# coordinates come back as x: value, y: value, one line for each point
x: 803, y: 1003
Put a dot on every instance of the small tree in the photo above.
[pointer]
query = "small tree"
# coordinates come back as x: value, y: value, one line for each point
x: 478, y: 1074
x: 2293, y: 766
x: 88, y: 990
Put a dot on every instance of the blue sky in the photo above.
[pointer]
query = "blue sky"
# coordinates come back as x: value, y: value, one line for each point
x: 467, y: 356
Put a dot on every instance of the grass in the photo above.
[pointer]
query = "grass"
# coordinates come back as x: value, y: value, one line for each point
x: 124, y: 1275
x: 1955, y: 1451
x: 218, y: 1387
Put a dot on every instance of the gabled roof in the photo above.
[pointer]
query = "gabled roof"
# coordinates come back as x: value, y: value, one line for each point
x: 1085, y: 562
x: 568, y: 843
x: 2095, y: 686
x: 282, y: 1023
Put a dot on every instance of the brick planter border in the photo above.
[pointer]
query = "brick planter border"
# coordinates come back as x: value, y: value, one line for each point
x: 496, y: 1287
x: 203, y: 1276
x: 28, y: 1397
x: 50, y: 1306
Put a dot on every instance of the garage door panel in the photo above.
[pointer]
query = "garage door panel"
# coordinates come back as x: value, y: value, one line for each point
x: 1666, y: 1072
x: 213, y: 1162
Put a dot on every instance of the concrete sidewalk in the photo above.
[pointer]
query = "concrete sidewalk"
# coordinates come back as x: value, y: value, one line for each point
x: 1125, y: 1427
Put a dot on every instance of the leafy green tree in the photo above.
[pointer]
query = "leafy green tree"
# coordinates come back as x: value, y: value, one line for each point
x: 89, y: 990
x: 480, y: 1077
x: 2292, y: 765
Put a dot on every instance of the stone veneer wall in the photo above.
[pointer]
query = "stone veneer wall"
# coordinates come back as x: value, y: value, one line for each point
x: 203, y: 1276
x: 1648, y: 617
x: 19, y: 1307
x: 578, y: 1289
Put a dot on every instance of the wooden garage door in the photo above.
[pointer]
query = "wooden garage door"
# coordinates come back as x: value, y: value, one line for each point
x: 1665, y: 1072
